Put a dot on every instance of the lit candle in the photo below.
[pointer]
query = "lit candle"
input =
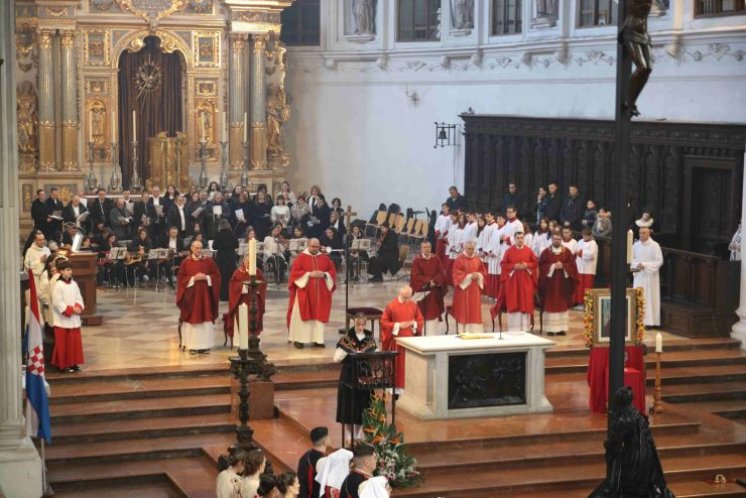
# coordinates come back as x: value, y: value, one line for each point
x: 629, y: 246
x: 134, y: 125
x: 252, y: 257
x: 113, y: 126
x: 658, y: 343
x: 243, y: 326
x: 245, y: 128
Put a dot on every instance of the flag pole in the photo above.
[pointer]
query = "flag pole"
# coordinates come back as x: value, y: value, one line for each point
x: 43, y: 468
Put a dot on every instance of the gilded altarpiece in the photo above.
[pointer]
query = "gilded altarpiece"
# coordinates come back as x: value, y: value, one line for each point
x: 96, y: 33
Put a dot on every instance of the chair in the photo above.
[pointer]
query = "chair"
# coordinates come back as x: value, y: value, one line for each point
x: 371, y: 229
x: 497, y: 309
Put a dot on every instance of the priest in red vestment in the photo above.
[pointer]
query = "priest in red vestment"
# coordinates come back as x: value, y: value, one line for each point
x: 468, y: 282
x: 239, y: 293
x: 312, y: 281
x: 519, y: 274
x: 557, y: 280
x: 198, y: 296
x: 428, y: 279
x: 401, y: 318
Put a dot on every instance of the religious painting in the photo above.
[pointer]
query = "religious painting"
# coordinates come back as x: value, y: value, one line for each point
x: 199, y: 7
x: 206, y: 46
x: 97, y: 87
x: 598, y: 316
x: 206, y: 88
x: 486, y: 380
x: 96, y: 47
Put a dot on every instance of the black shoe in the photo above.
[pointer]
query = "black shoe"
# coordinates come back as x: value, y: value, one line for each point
x: 203, y: 351
x: 192, y: 351
x: 562, y: 332
x: 75, y: 368
x: 69, y: 370
x: 298, y: 345
x: 317, y: 345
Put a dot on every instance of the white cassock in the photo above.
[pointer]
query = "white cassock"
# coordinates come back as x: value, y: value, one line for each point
x: 571, y: 244
x: 588, y: 261
x: 471, y: 231
x: 650, y: 255
x: 455, y: 242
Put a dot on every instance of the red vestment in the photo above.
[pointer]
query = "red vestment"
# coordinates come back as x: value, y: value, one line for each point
x: 467, y: 303
x: 396, y: 312
x: 425, y: 271
x: 557, y: 291
x: 236, y: 297
x: 198, y: 303
x: 519, y: 286
x: 315, y: 299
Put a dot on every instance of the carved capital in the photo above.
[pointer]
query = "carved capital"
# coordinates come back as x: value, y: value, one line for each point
x: 258, y: 43
x: 67, y: 39
x: 45, y: 38
x: 238, y: 41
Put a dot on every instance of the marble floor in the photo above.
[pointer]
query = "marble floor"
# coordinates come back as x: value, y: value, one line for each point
x: 140, y: 328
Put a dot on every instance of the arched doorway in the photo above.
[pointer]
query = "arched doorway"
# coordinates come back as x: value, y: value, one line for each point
x: 151, y: 84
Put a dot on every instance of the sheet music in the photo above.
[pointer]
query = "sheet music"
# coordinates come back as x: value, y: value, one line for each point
x: 239, y: 215
x: 130, y: 206
x: 197, y: 211
x: 158, y: 209
x: 242, y: 247
x: 217, y: 210
x: 84, y: 201
x: 77, y: 241
x: 56, y: 215
x: 153, y: 254
x: 82, y: 217
x: 360, y: 245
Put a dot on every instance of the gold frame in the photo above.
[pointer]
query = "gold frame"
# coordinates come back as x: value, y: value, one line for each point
x: 176, y: 6
x: 594, y: 300
x: 87, y: 47
x: 214, y: 37
x: 211, y: 92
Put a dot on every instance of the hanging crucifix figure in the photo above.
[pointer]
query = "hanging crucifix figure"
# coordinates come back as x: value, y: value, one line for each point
x: 636, y: 40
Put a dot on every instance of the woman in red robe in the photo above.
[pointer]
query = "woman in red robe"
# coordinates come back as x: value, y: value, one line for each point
x: 468, y: 282
x: 428, y: 276
x: 197, y: 296
x: 401, y: 318
x: 239, y: 294
x: 519, y: 277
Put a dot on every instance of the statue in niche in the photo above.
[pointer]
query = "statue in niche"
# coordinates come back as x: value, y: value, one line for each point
x: 278, y: 112
x: 362, y: 17
x: 462, y: 14
x: 27, y: 122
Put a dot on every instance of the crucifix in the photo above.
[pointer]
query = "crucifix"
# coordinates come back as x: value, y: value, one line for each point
x: 348, y: 217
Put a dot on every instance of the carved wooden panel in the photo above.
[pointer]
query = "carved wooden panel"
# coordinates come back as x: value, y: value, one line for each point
x: 532, y: 152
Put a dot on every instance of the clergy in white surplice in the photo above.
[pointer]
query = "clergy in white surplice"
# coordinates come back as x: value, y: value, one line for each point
x: 647, y: 260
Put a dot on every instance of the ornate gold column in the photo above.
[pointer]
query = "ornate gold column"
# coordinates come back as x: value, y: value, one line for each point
x: 69, y: 102
x: 236, y: 92
x: 257, y: 91
x: 46, y: 102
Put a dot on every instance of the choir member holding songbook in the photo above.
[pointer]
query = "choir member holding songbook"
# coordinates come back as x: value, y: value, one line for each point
x: 198, y: 296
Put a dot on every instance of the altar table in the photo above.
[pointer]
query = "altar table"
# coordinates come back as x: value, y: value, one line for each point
x: 450, y: 377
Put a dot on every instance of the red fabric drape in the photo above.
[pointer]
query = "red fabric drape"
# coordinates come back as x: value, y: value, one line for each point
x: 160, y: 110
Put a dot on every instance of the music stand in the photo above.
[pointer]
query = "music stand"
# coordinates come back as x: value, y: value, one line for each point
x: 372, y: 371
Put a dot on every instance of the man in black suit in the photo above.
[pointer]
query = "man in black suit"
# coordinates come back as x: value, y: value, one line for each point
x: 73, y: 210
x: 100, y: 209
x: 554, y: 202
x: 157, y: 211
x: 572, y: 209
x: 143, y: 213
x: 54, y: 210
x: 178, y: 216
x: 39, y: 213
x: 170, y: 240
x: 455, y: 200
x: 120, y: 219
x: 511, y: 198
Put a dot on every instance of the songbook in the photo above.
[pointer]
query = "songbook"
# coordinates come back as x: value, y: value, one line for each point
x: 197, y: 211
x: 84, y: 201
x: 217, y: 210
x: 242, y: 248
x: 56, y: 215
x: 209, y: 245
x: 360, y: 245
x: 82, y: 217
x: 239, y: 215
x: 297, y: 245
x: 158, y: 209
x: 144, y: 220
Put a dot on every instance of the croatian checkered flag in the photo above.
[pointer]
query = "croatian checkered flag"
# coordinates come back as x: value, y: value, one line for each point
x: 37, y: 405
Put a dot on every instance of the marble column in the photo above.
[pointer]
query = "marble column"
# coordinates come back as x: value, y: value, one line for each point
x: 69, y: 102
x: 20, y: 465
x: 258, y: 107
x: 46, y: 102
x: 237, y: 101
x: 739, y: 328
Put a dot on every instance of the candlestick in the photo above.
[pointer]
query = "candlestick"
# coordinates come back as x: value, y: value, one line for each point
x: 245, y: 128
x: 629, y: 246
x: 658, y: 343
x: 90, y: 129
x: 252, y: 257
x: 657, y: 392
x: 134, y: 125
x: 225, y: 126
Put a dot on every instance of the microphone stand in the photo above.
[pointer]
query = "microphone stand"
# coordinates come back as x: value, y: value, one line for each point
x: 347, y: 280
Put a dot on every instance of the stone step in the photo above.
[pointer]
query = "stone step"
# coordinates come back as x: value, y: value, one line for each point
x: 705, y: 374
x: 140, y: 408
x: 155, y: 487
x: 204, y: 384
x: 65, y: 455
x: 690, y: 393
x: 733, y: 409
x: 499, y: 482
x: 113, y: 430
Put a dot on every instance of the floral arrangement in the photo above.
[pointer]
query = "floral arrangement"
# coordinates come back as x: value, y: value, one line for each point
x: 588, y: 317
x: 393, y: 461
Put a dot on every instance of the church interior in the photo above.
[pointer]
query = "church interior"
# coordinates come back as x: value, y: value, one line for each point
x: 194, y: 162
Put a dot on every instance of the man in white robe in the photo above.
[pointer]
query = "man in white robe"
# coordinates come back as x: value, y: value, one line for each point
x: 647, y: 259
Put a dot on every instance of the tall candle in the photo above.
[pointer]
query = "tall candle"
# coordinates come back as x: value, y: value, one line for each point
x: 245, y: 128
x: 658, y: 343
x: 252, y: 257
x: 113, y: 126
x: 243, y: 326
x: 202, y: 125
x: 134, y: 125
x: 629, y: 246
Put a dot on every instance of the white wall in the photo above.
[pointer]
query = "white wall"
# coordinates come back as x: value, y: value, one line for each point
x: 355, y: 131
